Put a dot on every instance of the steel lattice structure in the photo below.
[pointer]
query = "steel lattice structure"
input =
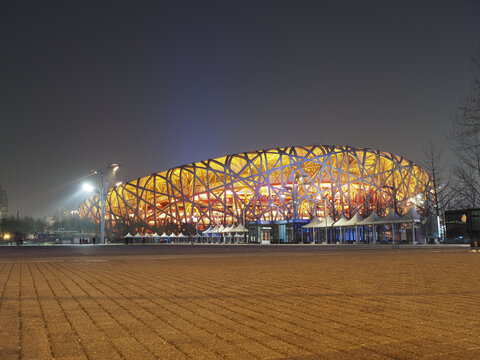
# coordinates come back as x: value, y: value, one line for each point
x: 274, y: 184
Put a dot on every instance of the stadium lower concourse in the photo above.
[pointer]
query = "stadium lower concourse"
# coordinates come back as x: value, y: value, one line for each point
x: 301, y: 194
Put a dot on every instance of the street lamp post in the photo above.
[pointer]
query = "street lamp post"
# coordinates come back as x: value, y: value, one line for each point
x: 106, y: 181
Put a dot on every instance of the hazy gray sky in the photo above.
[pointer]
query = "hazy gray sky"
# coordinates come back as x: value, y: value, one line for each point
x: 157, y: 84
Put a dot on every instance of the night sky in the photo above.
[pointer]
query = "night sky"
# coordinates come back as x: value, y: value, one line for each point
x: 158, y: 84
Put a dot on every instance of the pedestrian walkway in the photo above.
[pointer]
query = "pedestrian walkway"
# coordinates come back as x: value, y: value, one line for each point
x: 183, y: 303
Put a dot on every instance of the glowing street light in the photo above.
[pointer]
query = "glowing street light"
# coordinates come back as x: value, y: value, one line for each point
x: 102, y: 191
x: 87, y: 187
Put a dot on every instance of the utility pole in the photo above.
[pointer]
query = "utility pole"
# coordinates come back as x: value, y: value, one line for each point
x: 103, y: 191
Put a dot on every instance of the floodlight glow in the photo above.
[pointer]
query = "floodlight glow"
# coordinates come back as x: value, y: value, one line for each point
x: 87, y: 187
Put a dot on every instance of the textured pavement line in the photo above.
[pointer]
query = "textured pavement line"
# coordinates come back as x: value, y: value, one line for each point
x: 62, y: 345
x: 166, y: 349
x: 87, y: 328
x: 128, y: 344
x: 34, y: 342
x: 289, y: 336
x: 216, y: 340
x: 243, y: 333
x: 26, y: 261
x: 398, y: 304
x: 249, y: 316
x: 166, y: 304
x: 43, y: 327
x: 307, y: 315
x: 178, y: 318
x: 250, y: 327
x: 9, y: 315
x: 86, y: 278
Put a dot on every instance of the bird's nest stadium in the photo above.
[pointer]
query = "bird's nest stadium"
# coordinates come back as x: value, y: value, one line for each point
x: 268, y: 190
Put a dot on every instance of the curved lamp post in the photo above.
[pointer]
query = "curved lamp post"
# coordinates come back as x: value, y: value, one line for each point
x: 106, y: 182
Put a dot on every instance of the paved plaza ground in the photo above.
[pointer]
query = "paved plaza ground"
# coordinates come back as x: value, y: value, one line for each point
x: 239, y: 302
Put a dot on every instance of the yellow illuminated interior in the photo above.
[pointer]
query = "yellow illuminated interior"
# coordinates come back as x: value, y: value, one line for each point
x: 267, y: 185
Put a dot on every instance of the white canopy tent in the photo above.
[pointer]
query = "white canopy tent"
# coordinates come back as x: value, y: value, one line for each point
x: 327, y: 222
x: 227, y: 229
x: 241, y: 229
x: 353, y: 222
x: 315, y: 221
x: 372, y: 220
x: 412, y: 216
x: 206, y: 232
x: 391, y: 217
x: 340, y: 223
x: 215, y: 230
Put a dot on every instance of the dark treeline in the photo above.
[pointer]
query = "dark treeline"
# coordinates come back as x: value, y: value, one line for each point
x: 28, y: 225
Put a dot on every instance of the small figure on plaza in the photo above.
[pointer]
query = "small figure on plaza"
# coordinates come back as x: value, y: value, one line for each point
x: 473, y: 245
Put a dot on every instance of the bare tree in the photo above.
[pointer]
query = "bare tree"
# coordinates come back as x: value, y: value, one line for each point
x: 438, y: 190
x: 465, y: 142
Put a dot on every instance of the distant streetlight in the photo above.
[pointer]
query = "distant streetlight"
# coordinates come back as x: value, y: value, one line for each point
x: 102, y: 191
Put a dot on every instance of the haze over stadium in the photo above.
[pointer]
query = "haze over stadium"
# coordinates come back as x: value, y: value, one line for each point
x: 158, y: 84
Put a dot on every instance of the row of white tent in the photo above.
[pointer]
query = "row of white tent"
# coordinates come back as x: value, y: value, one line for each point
x: 229, y: 229
x: 356, y: 220
x: 153, y: 236
x: 209, y: 232
x: 373, y: 219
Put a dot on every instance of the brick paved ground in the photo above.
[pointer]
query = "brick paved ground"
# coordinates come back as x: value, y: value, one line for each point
x: 156, y: 302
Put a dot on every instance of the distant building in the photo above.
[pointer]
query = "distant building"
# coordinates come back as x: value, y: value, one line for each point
x: 64, y: 214
x: 3, y: 202
x: 462, y: 225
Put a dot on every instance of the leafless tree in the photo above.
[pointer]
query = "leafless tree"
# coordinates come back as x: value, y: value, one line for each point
x: 438, y: 191
x: 465, y: 141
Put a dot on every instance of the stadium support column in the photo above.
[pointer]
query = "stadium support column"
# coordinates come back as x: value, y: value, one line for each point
x: 414, y: 240
x: 326, y: 225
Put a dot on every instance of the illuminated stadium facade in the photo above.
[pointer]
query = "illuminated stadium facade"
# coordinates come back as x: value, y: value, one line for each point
x: 274, y: 186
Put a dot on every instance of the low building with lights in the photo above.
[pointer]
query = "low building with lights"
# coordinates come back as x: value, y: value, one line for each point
x: 272, y: 192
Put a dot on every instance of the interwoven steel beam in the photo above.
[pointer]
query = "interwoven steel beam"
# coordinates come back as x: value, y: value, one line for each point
x: 273, y: 184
